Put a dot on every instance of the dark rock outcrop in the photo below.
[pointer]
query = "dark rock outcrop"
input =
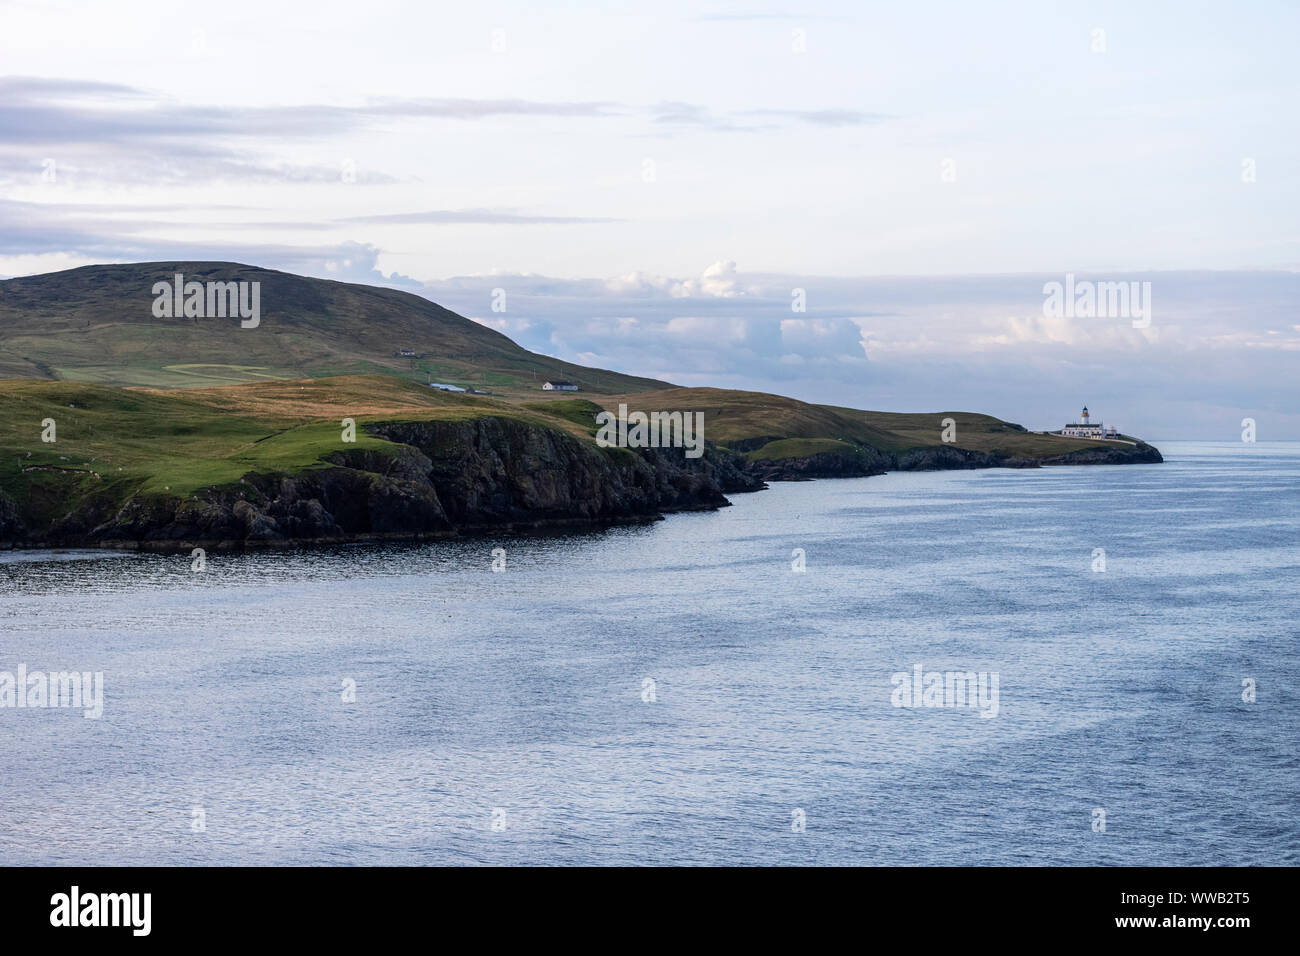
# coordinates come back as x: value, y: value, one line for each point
x: 437, y: 479
x: 858, y: 462
x: 869, y: 461
x: 943, y: 458
x: 441, y: 478
x: 1138, y: 454
x: 497, y: 471
x: 12, y: 527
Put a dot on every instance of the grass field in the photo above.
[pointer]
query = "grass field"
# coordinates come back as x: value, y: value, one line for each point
x: 140, y: 441
x: 173, y: 376
x: 748, y: 421
x: 96, y: 324
x: 206, y: 402
x: 799, y: 448
x: 114, y: 444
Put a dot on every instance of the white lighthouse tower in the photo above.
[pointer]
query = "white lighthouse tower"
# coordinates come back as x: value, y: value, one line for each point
x: 1085, y: 427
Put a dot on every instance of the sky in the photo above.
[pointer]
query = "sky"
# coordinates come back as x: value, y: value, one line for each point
x: 850, y: 203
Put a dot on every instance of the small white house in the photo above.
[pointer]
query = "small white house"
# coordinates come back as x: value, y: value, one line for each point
x: 1084, y: 428
x: 559, y: 387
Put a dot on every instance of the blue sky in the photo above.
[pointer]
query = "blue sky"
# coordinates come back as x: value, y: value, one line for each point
x: 649, y: 185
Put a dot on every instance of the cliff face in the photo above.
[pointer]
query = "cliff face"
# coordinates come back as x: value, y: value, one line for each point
x: 392, y: 498
x: 937, y: 458
x: 12, y: 526
x: 1141, y: 453
x: 854, y: 463
x: 490, y: 472
x: 440, y: 478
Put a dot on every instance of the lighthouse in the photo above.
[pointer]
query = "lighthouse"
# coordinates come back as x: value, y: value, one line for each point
x: 1085, y: 427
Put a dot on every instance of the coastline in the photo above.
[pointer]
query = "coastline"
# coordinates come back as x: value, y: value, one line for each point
x: 464, y: 493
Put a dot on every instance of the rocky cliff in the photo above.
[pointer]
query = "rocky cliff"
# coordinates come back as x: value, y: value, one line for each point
x: 863, y: 462
x: 846, y: 463
x: 1139, y: 454
x: 438, y: 478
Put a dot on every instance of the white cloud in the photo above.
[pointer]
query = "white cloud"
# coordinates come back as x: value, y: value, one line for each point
x: 979, y: 343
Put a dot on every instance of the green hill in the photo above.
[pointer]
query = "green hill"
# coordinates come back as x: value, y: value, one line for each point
x: 96, y: 324
x: 152, y: 410
x: 114, y: 444
x: 762, y: 426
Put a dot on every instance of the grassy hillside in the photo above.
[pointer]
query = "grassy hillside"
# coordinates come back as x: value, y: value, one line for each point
x: 784, y: 448
x: 96, y: 324
x: 211, y: 401
x: 132, y: 441
x: 761, y: 425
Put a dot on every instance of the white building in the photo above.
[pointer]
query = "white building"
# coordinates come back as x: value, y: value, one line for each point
x: 559, y: 387
x: 1085, y: 428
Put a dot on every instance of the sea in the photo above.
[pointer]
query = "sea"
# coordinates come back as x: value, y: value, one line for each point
x: 754, y: 685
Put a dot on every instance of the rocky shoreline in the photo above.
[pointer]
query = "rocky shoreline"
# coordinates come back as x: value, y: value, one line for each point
x: 477, y: 476
x: 864, y: 462
x: 442, y: 479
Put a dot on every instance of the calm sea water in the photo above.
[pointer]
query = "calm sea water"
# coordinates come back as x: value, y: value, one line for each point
x: 500, y: 717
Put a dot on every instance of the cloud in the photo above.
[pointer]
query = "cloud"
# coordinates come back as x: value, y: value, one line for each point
x: 127, y: 232
x: 1218, y: 341
x: 719, y: 280
x: 979, y: 343
x: 38, y: 89
x: 116, y: 133
x: 73, y: 111
x: 692, y: 116
x: 1075, y: 333
x: 716, y: 281
x: 822, y: 338
x: 184, y: 164
x: 740, y: 17
x: 438, y: 217
x: 826, y: 117
x: 113, y: 133
x: 67, y: 235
